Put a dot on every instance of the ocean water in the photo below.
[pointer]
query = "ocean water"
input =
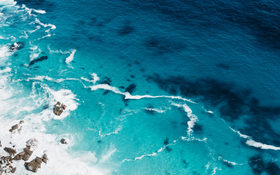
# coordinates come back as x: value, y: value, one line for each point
x: 151, y: 87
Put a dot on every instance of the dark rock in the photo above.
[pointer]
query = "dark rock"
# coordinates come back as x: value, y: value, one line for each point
x: 63, y: 141
x: 16, y: 46
x: 59, y: 108
x: 42, y: 58
x: 13, y: 170
x: 34, y: 165
x: 24, y: 155
x: 45, y: 158
x: 11, y: 151
x: 14, y: 127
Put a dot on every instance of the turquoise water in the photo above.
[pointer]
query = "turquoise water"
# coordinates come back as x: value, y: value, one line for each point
x: 151, y: 87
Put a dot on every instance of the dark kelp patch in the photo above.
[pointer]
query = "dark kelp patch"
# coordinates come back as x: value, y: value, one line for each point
x: 259, y: 166
x: 42, y: 58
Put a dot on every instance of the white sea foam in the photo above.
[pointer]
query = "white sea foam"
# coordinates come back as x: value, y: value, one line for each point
x: 159, y: 150
x: 228, y: 162
x: 49, y: 26
x: 261, y: 145
x: 193, y: 118
x: 116, y: 131
x: 4, y: 54
x: 43, y: 77
x: 94, y: 78
x: 107, y: 155
x: 5, y: 70
x: 8, y: 2
x: 58, y: 51
x: 239, y: 133
x: 156, y: 110
x: 70, y: 58
x: 35, y: 53
x: 60, y: 160
x: 127, y: 95
x: 30, y: 10
x: 254, y: 143
x: 66, y: 97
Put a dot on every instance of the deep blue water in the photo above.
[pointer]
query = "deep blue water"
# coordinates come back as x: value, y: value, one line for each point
x: 151, y: 87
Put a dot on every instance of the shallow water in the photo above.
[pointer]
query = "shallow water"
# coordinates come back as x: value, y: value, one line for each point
x: 151, y: 87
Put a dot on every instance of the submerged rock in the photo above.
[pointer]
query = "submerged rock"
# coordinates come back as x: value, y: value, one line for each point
x: 16, y: 46
x: 17, y: 127
x: 59, y: 108
x: 34, y: 165
x: 13, y: 128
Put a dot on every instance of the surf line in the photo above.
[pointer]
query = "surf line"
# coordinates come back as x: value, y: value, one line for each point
x: 253, y: 143
x: 128, y: 96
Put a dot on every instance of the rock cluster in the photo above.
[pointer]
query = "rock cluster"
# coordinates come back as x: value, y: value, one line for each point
x: 59, y: 108
x: 24, y: 155
x: 6, y: 162
x: 35, y: 164
x: 17, y: 127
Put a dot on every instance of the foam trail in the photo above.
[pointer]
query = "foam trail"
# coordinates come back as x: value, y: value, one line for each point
x: 156, y: 110
x: 58, y: 51
x: 108, y: 155
x: 261, y: 145
x: 42, y: 78
x: 30, y: 10
x: 158, y: 151
x: 193, y: 118
x: 254, y: 143
x: 94, y: 78
x: 51, y: 26
x: 146, y: 155
x: 71, y: 57
x: 127, y: 95
x: 110, y: 133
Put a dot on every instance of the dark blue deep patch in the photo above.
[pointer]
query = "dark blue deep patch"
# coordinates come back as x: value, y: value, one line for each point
x: 231, y: 101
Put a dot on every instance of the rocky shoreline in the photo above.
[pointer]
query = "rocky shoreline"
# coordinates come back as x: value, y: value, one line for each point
x: 11, y: 156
